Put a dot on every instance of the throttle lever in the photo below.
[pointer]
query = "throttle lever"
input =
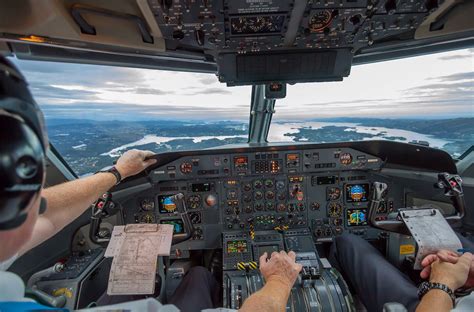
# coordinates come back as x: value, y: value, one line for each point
x: 188, y: 225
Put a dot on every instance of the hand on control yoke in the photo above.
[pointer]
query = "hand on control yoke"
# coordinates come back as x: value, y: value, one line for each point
x: 133, y: 162
x: 281, y: 267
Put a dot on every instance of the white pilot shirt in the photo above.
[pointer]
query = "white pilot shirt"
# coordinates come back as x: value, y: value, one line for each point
x: 12, y: 288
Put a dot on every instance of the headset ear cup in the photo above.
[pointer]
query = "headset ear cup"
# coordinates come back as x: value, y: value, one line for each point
x: 21, y: 170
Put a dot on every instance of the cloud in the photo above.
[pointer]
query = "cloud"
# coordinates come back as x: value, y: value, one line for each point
x: 455, y: 77
x: 42, y: 90
x: 456, y: 57
x: 208, y: 80
x: 208, y: 91
x: 143, y: 90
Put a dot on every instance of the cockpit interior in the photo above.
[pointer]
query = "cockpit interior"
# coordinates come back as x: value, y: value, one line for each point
x: 230, y: 204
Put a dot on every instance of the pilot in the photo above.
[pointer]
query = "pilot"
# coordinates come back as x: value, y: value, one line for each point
x: 376, y: 281
x: 30, y: 214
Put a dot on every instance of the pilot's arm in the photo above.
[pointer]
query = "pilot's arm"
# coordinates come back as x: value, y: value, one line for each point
x: 69, y: 200
x: 280, y: 273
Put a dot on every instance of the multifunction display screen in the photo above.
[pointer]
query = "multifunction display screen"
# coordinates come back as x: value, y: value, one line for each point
x: 237, y: 246
x: 357, y: 192
x: 356, y: 217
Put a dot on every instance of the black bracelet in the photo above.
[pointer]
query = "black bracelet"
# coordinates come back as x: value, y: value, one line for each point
x: 425, y: 287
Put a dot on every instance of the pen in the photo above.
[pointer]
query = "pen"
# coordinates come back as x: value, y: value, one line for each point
x: 463, y: 250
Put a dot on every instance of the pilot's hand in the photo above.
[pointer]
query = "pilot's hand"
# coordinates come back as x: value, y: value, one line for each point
x: 133, y: 162
x: 446, y: 256
x: 281, y: 267
x: 453, y: 275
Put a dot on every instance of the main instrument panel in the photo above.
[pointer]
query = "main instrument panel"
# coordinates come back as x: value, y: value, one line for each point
x: 326, y: 190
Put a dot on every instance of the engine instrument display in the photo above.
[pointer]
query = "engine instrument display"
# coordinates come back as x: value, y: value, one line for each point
x: 356, y: 217
x: 237, y: 246
x: 357, y: 192
x: 261, y: 24
x: 166, y: 204
x: 178, y: 226
x: 241, y: 163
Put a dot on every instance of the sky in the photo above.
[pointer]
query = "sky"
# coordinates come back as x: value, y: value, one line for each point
x: 431, y: 86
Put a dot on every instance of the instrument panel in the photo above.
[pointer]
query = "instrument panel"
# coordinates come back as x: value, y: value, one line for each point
x: 326, y: 190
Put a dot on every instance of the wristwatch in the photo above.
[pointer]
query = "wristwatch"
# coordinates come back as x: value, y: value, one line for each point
x: 427, y: 286
x: 113, y: 171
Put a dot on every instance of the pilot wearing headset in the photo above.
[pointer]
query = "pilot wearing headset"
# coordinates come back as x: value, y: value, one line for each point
x: 30, y: 214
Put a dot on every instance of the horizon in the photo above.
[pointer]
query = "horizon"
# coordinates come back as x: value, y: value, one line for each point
x: 334, y: 119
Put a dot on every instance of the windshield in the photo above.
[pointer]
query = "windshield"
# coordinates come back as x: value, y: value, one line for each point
x: 95, y: 113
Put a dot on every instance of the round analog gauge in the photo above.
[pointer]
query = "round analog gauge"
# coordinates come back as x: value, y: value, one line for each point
x: 195, y: 217
x: 337, y: 222
x: 257, y: 184
x: 345, y: 159
x: 186, y: 168
x: 147, y: 204
x: 247, y: 187
x: 315, y: 206
x: 269, y: 183
x: 320, y: 20
x: 333, y: 193
x: 335, y: 210
x: 194, y: 201
x: 147, y: 218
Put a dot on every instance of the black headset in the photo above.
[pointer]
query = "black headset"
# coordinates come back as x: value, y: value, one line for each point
x: 23, y: 146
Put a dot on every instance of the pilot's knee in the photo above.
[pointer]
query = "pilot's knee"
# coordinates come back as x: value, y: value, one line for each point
x: 198, y: 272
x: 347, y: 239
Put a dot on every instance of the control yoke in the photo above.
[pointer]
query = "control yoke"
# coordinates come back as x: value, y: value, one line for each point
x: 183, y: 213
x: 104, y: 206
x: 452, y: 186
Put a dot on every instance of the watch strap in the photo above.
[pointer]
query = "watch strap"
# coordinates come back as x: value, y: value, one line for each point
x: 115, y: 172
x: 427, y: 286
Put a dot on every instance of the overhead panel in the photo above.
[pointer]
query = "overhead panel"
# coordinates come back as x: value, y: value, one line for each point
x: 256, y: 42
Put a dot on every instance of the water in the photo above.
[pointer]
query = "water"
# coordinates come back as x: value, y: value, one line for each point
x: 278, y: 131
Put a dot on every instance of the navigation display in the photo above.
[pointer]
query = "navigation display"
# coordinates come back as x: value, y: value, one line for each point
x: 357, y: 192
x: 237, y: 246
x: 356, y: 217
x: 178, y: 226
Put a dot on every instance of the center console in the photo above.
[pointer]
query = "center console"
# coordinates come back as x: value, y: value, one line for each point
x: 317, y: 288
